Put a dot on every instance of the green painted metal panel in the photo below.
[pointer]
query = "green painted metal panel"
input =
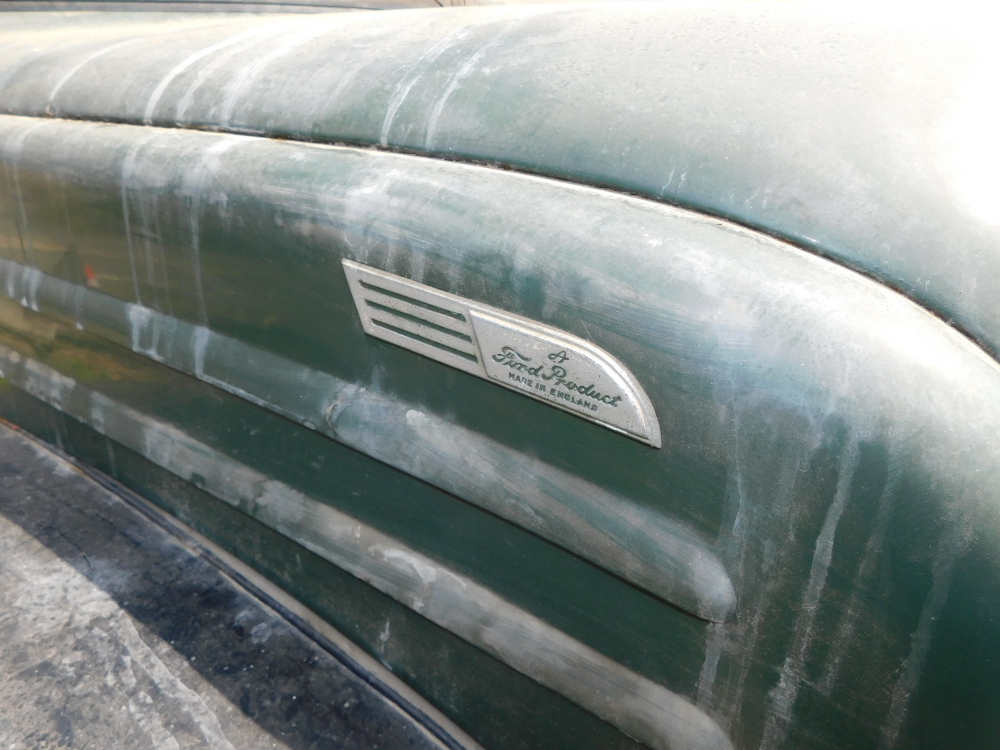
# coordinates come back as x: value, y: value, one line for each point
x: 863, y: 135
x: 827, y: 440
x: 175, y: 311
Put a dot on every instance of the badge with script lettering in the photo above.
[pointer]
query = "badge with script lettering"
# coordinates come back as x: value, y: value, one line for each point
x: 518, y: 353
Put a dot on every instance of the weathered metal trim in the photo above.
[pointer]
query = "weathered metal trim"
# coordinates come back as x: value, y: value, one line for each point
x: 613, y: 398
x: 641, y: 708
x: 644, y: 547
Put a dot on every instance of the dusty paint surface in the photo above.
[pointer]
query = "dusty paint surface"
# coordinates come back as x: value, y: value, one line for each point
x: 762, y: 374
x: 829, y: 442
x: 713, y: 108
x: 116, y: 635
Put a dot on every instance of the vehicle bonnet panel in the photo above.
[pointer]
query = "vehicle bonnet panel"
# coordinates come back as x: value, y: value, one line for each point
x: 827, y: 445
x: 860, y: 134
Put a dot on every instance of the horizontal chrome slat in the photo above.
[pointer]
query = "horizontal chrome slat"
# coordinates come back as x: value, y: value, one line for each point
x: 394, y: 311
x: 387, y: 319
x: 432, y: 313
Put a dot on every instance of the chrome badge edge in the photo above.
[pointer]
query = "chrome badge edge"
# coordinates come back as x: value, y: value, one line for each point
x: 523, y: 355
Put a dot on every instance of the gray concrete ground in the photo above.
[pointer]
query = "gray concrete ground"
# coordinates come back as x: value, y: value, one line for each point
x: 113, y: 634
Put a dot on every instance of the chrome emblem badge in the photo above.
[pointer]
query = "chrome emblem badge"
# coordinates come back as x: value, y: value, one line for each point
x: 531, y: 358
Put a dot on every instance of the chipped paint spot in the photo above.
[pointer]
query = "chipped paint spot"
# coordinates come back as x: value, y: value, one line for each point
x: 427, y: 573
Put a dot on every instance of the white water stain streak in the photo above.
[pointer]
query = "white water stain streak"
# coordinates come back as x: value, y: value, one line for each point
x: 784, y: 694
x: 190, y: 60
x: 207, y: 70
x: 952, y: 544
x: 79, y: 66
x: 866, y: 569
x: 714, y: 646
x: 144, y: 324
x: 249, y: 74
x: 146, y: 234
x: 201, y: 337
x: 456, y: 80
x: 420, y: 67
x: 195, y: 186
x: 734, y: 552
x: 150, y: 213
x: 12, y: 149
x: 31, y: 280
x: 751, y: 552
x: 128, y: 168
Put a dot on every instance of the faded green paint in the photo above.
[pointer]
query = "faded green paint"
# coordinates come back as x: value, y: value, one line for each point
x: 505, y: 709
x: 860, y: 134
x: 832, y: 442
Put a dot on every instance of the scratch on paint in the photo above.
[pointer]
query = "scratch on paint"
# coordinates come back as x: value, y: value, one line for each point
x: 187, y: 62
x: 79, y: 66
x: 456, y: 81
x: 403, y: 88
x: 872, y: 551
x: 784, y: 694
x: 951, y: 545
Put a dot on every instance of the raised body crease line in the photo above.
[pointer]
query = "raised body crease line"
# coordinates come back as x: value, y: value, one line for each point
x: 640, y: 707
